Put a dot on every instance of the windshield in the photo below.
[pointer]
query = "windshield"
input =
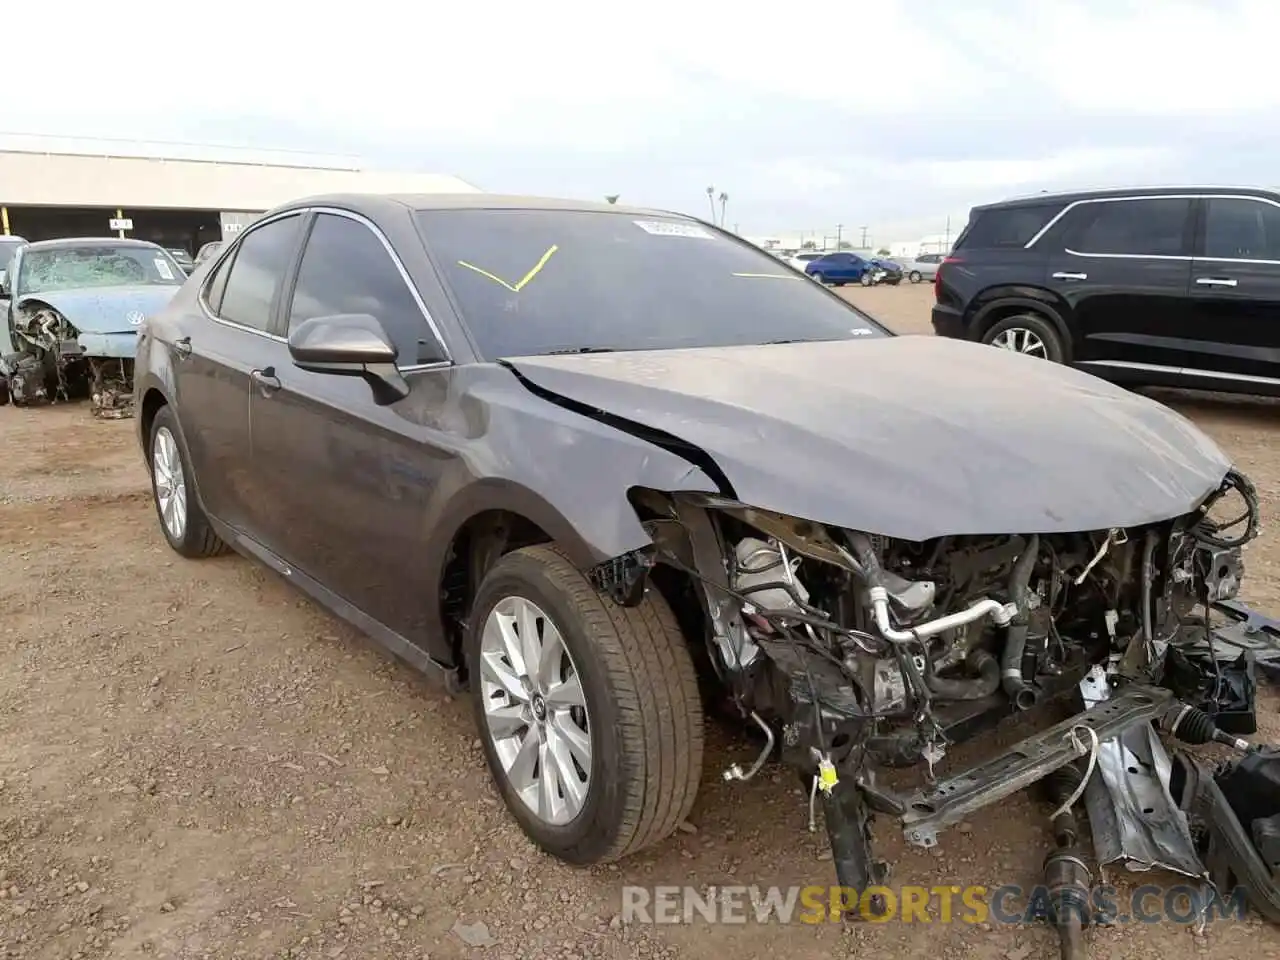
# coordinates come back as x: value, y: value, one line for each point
x: 536, y: 281
x: 95, y: 265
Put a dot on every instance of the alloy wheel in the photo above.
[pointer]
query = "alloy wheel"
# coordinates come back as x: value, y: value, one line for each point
x: 535, y: 710
x: 170, y: 483
x: 1021, y: 340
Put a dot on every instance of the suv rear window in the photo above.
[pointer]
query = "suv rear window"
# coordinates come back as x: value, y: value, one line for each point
x: 1005, y: 227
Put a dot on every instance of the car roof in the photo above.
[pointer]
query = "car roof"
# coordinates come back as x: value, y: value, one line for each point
x: 1099, y: 193
x: 373, y: 204
x: 92, y: 241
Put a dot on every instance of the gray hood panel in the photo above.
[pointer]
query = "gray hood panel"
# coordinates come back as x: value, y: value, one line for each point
x: 910, y: 437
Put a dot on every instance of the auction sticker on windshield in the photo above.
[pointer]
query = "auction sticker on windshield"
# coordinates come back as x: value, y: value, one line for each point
x: 163, y: 269
x: 665, y: 228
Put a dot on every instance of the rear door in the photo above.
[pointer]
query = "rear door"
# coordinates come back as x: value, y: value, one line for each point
x: 212, y: 369
x: 1123, y: 265
x: 1235, y: 289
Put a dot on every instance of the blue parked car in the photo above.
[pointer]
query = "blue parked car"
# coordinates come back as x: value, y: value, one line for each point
x: 75, y: 308
x: 838, y: 269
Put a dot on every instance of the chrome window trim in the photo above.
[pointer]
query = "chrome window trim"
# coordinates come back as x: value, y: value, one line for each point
x: 404, y: 276
x: 1155, y: 196
x: 222, y: 256
x: 386, y: 245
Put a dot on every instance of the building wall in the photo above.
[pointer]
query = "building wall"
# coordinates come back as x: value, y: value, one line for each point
x: 52, y: 179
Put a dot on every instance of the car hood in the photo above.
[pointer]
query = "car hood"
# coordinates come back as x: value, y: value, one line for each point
x: 910, y: 437
x: 105, y: 309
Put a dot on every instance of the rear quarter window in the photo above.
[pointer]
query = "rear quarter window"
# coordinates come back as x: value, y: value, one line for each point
x: 1006, y: 227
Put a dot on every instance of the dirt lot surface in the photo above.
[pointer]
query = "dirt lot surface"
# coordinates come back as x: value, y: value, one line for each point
x: 195, y: 761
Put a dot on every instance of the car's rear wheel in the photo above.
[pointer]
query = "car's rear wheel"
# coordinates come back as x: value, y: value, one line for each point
x: 1028, y: 334
x: 914, y: 276
x: 589, y: 712
x: 182, y: 521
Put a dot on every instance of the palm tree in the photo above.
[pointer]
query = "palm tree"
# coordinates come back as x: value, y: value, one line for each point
x: 711, y: 199
x: 724, y: 199
x: 612, y: 197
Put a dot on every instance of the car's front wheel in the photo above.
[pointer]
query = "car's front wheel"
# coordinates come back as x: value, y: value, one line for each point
x: 589, y: 712
x: 1028, y: 334
x: 866, y: 280
x: 182, y: 521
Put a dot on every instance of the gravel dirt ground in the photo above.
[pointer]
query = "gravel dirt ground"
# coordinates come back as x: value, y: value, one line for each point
x: 195, y: 761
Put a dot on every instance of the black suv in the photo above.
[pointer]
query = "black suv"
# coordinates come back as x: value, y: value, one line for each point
x: 1160, y: 286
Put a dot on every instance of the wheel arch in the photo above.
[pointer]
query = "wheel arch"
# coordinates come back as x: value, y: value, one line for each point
x: 998, y: 304
x: 491, y: 518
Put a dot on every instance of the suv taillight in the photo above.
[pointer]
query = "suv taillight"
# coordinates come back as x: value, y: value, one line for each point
x: 937, y: 276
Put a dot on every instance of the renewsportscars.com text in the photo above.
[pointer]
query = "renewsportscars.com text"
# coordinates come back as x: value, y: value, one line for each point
x: 1010, y: 903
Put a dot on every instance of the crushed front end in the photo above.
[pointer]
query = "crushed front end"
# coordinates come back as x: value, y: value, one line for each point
x: 55, y: 362
x: 850, y: 652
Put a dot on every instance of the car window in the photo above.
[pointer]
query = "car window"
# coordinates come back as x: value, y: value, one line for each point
x: 259, y: 265
x: 216, y: 285
x: 537, y: 281
x: 1240, y: 229
x: 346, y: 269
x: 1153, y: 227
x: 1006, y: 227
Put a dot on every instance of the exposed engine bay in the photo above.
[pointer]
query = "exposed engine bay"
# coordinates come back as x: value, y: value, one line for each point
x: 850, y: 651
x: 50, y: 365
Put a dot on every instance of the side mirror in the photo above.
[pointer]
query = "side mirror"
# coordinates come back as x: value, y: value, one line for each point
x: 353, y: 344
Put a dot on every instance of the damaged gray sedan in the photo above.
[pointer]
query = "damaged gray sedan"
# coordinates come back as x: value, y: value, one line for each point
x: 606, y: 469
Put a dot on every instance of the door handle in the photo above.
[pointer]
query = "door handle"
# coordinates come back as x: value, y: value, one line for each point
x: 1063, y: 275
x: 265, y: 380
x: 182, y: 347
x: 1215, y: 282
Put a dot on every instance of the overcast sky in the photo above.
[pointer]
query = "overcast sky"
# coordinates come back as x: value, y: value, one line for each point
x: 893, y: 115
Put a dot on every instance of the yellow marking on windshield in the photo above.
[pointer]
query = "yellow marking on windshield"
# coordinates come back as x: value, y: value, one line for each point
x: 516, y: 288
x: 768, y: 276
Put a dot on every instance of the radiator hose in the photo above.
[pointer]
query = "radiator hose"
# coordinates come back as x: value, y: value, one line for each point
x: 1013, y: 678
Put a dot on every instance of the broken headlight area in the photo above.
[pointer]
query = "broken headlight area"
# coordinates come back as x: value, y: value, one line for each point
x: 51, y: 365
x: 851, y: 651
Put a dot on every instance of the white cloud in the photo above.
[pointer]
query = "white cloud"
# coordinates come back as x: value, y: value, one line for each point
x: 915, y: 107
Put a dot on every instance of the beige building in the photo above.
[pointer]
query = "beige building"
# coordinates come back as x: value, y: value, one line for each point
x: 175, y: 195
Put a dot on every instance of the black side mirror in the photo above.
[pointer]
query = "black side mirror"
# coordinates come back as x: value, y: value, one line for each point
x: 353, y: 344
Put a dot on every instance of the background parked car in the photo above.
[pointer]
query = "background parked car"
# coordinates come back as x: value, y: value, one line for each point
x: 804, y: 258
x: 891, y: 269
x: 208, y: 250
x: 8, y: 247
x: 922, y: 267
x: 840, y: 268
x: 183, y: 259
x: 1155, y: 286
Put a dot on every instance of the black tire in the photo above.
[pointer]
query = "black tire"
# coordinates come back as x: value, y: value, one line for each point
x: 644, y: 707
x: 1042, y: 327
x: 4, y: 391
x: 197, y: 539
x: 914, y: 276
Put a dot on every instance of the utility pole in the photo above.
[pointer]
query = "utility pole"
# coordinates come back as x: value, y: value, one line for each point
x: 948, y: 250
x: 864, y: 238
x: 839, y: 231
